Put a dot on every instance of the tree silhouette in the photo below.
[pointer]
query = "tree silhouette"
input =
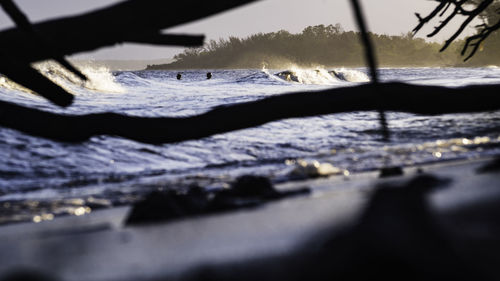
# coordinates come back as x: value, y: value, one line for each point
x: 329, y: 46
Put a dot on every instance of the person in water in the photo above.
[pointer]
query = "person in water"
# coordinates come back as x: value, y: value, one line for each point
x: 179, y: 76
x: 209, y: 75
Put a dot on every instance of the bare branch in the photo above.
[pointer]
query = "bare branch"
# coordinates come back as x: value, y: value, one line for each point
x: 24, y: 24
x: 472, y: 42
x: 442, y: 24
x: 370, y: 58
x: 24, y: 74
x: 478, y: 39
x: 448, y: 5
x: 169, y: 39
x: 472, y: 14
x: 423, y: 21
x: 113, y: 25
x: 429, y: 100
x: 128, y: 21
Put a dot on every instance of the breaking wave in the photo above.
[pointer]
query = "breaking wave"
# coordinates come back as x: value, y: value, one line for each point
x: 100, y: 79
x: 8, y: 84
x: 352, y: 75
x: 320, y: 76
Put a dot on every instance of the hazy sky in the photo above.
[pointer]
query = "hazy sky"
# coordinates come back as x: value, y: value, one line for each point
x: 384, y: 16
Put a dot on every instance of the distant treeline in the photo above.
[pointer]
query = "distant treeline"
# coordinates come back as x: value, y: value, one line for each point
x: 321, y: 45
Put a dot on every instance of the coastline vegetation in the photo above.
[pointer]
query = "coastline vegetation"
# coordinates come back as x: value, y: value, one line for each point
x: 328, y: 46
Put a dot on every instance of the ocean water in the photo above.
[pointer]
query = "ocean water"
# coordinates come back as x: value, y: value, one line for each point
x: 40, y: 178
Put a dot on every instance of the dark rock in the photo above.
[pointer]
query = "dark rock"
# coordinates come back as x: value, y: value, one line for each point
x: 247, y: 191
x: 391, y: 172
x: 252, y: 186
x: 491, y: 167
x: 162, y: 206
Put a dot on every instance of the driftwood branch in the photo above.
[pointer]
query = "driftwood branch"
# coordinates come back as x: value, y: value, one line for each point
x: 21, y: 20
x: 155, y: 38
x: 126, y: 21
x: 24, y: 74
x: 427, y: 100
x: 139, y: 21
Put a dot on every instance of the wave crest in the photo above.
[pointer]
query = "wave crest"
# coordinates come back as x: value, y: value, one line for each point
x: 321, y: 76
x: 8, y: 84
x: 100, y: 78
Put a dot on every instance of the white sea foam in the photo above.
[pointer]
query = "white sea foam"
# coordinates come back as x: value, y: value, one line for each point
x: 315, y: 76
x: 99, y: 78
x: 270, y: 75
x: 11, y: 85
x: 350, y: 141
x: 321, y: 76
x: 352, y: 75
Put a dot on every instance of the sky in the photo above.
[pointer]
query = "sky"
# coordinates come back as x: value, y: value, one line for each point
x: 392, y: 17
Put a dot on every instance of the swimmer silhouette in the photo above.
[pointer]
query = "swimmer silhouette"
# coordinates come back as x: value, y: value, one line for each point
x: 209, y: 75
x: 179, y: 76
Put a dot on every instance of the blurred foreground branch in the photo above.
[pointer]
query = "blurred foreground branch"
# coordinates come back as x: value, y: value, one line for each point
x: 127, y: 21
x: 137, y: 21
x: 24, y: 24
x: 427, y: 100
x: 370, y: 59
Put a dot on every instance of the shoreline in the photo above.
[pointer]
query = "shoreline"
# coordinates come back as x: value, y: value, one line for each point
x: 275, y: 232
x: 84, y: 208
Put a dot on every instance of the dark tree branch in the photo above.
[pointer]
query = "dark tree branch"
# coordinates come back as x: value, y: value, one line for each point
x: 168, y: 39
x: 129, y: 21
x: 471, y: 15
x: 476, y: 40
x: 448, y: 5
x: 365, y: 38
x: 473, y: 41
x: 123, y: 22
x: 370, y: 58
x: 424, y: 21
x: 461, y: 9
x: 429, y: 100
x: 443, y: 23
x: 24, y: 74
x: 21, y: 20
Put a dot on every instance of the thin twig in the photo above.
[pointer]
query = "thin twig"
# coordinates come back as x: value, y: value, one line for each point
x: 474, y: 41
x: 371, y: 60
